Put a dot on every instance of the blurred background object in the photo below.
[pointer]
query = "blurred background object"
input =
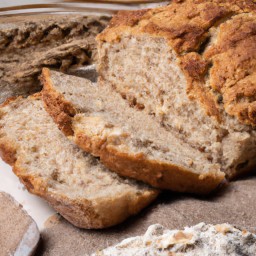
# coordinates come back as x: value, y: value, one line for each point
x: 108, y: 7
x: 30, y: 42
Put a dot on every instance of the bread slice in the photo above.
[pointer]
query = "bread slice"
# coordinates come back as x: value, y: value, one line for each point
x: 73, y: 182
x: 127, y: 141
x: 201, y: 239
x: 191, y: 66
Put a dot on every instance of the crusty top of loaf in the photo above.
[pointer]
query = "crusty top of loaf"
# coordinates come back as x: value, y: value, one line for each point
x: 215, y: 42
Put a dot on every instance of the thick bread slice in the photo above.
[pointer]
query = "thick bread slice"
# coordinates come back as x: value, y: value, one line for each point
x: 127, y: 141
x: 201, y: 239
x: 50, y: 166
x: 192, y: 66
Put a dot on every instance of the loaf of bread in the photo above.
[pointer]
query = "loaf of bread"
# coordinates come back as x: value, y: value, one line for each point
x: 201, y: 239
x: 28, y: 43
x: 76, y: 185
x: 192, y: 67
x: 126, y: 139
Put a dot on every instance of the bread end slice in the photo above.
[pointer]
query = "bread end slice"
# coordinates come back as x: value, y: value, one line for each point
x: 74, y: 183
x: 158, y: 174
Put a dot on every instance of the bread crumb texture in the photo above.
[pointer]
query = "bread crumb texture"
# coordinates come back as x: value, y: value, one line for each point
x: 75, y: 184
x: 215, y: 43
x: 100, y: 122
x: 190, y: 65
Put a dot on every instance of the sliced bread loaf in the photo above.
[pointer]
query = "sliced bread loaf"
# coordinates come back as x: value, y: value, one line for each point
x: 192, y: 66
x: 201, y: 239
x: 73, y: 182
x: 127, y: 140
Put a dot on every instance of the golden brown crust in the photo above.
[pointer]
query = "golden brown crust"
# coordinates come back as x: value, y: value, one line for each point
x: 62, y: 110
x: 184, y: 24
x: 7, y: 152
x: 233, y: 73
x: 122, y: 19
x: 80, y: 212
x: 228, y: 66
x: 157, y: 174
